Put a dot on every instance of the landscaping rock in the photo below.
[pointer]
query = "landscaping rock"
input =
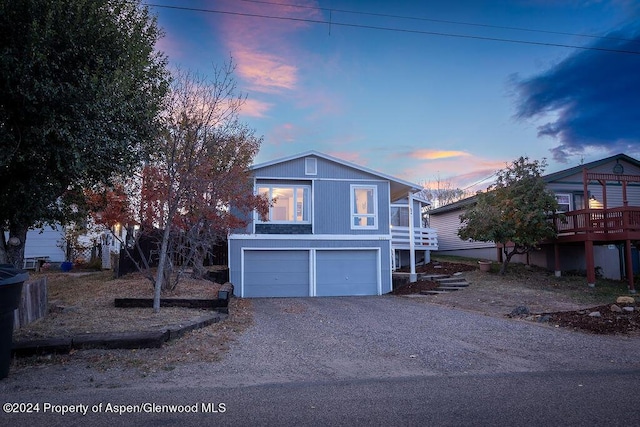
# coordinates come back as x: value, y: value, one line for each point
x: 595, y: 314
x: 628, y: 309
x: 521, y: 310
x: 615, y: 308
x: 544, y: 318
x: 625, y: 300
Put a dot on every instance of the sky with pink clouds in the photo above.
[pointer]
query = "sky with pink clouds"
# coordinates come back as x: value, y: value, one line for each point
x: 424, y: 90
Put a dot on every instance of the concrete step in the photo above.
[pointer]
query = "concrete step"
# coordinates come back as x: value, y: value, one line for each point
x: 433, y: 292
x: 448, y: 288
x: 450, y: 279
x: 456, y: 284
x: 433, y: 277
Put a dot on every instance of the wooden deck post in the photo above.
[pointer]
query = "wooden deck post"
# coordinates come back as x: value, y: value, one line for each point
x: 556, y: 256
x: 591, y: 268
x: 628, y: 265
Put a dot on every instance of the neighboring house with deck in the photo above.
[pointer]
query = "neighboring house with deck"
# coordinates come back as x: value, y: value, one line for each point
x: 335, y: 228
x: 600, y: 232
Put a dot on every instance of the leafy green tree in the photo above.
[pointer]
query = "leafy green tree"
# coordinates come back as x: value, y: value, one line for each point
x: 514, y: 211
x: 81, y: 89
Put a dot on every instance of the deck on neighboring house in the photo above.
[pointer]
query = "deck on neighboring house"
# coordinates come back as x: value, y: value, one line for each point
x: 599, y: 225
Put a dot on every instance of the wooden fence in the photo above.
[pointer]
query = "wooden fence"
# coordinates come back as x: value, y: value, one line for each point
x: 33, y: 303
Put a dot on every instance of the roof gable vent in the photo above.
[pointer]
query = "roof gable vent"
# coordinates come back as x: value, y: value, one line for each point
x: 311, y: 166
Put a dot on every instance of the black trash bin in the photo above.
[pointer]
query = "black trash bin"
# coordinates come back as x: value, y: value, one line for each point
x: 11, y: 280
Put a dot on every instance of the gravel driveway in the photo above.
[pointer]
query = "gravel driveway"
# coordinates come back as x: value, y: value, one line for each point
x: 322, y: 339
x: 309, y: 339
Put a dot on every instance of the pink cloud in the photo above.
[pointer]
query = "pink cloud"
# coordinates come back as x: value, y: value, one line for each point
x: 437, y: 154
x: 263, y: 47
x: 466, y: 172
x: 284, y: 134
x: 255, y: 108
x: 265, y: 72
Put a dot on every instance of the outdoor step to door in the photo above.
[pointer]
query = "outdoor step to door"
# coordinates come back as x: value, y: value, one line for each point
x: 446, y: 284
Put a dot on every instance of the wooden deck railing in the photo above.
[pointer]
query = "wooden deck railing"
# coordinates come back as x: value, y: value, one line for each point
x: 621, y: 222
x: 424, y: 238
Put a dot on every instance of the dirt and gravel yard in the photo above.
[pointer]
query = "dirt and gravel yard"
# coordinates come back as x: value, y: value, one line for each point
x: 563, y: 301
x: 84, y: 303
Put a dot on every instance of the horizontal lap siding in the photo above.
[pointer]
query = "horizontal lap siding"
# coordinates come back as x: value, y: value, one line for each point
x: 44, y: 242
x: 332, y: 207
x: 574, y: 184
x: 447, y: 225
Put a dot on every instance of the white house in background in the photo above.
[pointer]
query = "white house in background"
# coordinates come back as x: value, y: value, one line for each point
x: 47, y: 244
x: 335, y: 228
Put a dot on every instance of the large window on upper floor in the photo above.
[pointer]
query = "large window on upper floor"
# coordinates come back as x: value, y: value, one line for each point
x: 291, y: 203
x: 364, y: 207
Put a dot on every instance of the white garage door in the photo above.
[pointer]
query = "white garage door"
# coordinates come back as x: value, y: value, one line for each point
x: 271, y: 273
x: 346, y: 272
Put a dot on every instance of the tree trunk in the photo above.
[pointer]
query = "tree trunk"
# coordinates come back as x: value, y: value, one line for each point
x: 4, y: 258
x: 507, y: 259
x: 198, y: 264
x: 517, y: 250
x: 160, y: 275
x: 12, y: 249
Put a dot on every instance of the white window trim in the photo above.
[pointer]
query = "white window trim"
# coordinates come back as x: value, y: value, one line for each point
x: 352, y: 214
x: 311, y: 166
x: 295, y: 203
x: 570, y: 197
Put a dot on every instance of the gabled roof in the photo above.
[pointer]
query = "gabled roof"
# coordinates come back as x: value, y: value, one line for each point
x: 399, y: 187
x: 578, y: 169
x: 460, y: 204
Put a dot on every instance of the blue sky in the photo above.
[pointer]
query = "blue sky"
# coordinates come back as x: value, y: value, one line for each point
x: 415, y: 89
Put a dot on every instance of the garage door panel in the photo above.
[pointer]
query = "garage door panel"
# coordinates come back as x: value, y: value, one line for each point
x: 346, y: 272
x: 276, y: 273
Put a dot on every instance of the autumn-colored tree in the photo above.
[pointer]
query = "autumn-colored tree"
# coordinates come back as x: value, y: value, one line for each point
x: 514, y: 211
x: 199, y: 171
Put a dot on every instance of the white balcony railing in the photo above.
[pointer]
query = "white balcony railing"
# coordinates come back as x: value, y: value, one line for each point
x: 424, y: 238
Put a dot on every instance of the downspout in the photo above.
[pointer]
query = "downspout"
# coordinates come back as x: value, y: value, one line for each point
x: 413, y: 277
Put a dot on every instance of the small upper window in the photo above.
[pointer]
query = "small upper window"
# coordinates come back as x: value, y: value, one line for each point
x: 311, y: 166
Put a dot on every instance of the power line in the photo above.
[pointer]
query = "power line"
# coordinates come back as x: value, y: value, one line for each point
x: 443, y: 21
x: 400, y: 30
x: 481, y: 181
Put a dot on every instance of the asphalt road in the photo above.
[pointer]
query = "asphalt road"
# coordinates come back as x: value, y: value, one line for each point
x: 359, y: 361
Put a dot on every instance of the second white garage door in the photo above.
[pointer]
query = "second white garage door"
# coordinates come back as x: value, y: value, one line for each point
x: 346, y: 272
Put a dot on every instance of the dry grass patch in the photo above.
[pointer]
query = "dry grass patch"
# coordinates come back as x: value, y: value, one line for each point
x: 82, y: 303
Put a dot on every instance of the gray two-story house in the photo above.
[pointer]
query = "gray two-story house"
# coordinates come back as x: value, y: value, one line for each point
x: 334, y: 228
x: 599, y: 229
